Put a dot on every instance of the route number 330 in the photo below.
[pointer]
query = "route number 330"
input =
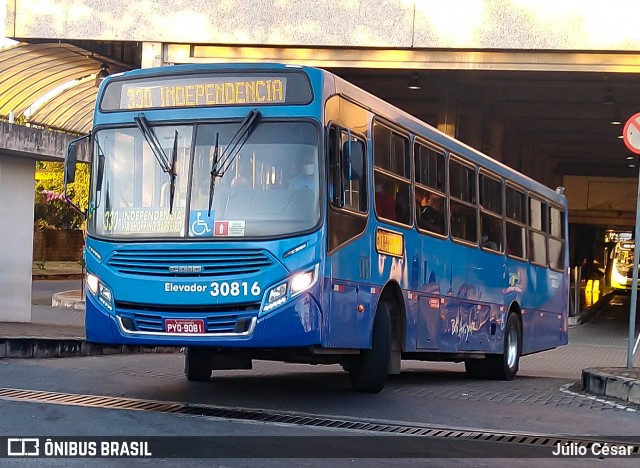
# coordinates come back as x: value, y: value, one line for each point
x: 235, y: 288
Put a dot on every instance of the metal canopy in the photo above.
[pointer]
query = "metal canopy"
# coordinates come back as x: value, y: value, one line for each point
x: 51, y: 85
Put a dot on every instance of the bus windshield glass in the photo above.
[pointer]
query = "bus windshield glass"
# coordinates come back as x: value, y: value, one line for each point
x: 270, y: 187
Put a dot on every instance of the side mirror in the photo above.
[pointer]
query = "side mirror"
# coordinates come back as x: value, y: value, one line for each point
x: 70, y: 164
x: 100, y: 175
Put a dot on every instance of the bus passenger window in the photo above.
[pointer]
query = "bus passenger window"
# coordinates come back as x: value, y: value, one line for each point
x: 430, y: 211
x: 516, y: 221
x: 463, y: 222
x: 537, y: 230
x: 491, y: 237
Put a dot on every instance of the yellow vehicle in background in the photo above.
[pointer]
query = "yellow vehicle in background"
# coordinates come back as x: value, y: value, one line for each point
x: 620, y: 267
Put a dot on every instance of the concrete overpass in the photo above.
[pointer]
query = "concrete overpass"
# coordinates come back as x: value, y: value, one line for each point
x: 20, y: 147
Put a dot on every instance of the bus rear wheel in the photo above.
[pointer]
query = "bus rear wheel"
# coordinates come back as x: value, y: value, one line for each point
x: 197, y: 364
x: 368, y: 373
x: 505, y: 366
x: 500, y: 366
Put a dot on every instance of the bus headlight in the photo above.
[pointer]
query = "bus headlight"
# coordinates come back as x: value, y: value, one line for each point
x: 280, y: 294
x: 303, y: 281
x: 100, y: 291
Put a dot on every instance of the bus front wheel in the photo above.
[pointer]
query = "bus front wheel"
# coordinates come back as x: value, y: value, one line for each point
x: 197, y: 364
x: 368, y: 373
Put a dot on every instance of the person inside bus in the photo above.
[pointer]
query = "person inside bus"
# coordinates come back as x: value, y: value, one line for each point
x: 422, y: 200
x: 385, y: 200
x: 305, y: 171
x: 243, y: 176
x: 431, y: 215
x: 403, y: 204
x: 491, y: 233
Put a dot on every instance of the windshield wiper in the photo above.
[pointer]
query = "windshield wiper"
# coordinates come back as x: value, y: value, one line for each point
x: 221, y: 163
x: 214, y: 173
x: 172, y: 174
x: 167, y: 165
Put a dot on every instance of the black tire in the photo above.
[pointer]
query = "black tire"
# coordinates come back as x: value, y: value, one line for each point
x: 505, y: 366
x: 370, y: 370
x: 197, y: 364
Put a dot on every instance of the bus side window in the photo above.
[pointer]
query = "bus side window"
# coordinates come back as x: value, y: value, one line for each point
x: 491, y: 209
x: 516, y: 222
x: 464, y: 214
x: 347, y: 170
x: 537, y: 229
x: 391, y: 175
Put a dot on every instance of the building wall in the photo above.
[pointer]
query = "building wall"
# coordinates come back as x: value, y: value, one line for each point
x: 577, y: 25
x: 16, y: 237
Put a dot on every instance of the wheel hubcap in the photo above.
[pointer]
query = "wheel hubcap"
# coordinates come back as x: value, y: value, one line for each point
x: 512, y: 347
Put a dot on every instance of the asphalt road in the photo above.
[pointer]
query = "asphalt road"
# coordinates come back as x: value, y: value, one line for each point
x: 541, y: 401
x: 42, y: 290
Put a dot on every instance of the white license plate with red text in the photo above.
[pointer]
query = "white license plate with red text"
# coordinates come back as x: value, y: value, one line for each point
x: 184, y: 325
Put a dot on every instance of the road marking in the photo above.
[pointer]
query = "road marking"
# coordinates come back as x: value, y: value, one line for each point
x: 614, y: 404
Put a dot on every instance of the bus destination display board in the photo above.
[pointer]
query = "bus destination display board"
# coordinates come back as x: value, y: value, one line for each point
x: 205, y: 90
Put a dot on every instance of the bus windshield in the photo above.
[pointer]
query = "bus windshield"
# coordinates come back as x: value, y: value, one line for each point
x: 270, y: 187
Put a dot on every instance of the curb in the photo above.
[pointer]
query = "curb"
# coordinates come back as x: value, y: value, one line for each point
x: 25, y: 348
x: 57, y: 276
x: 596, y: 308
x: 617, y: 383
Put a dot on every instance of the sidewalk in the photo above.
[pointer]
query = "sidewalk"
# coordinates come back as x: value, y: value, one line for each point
x: 59, y: 332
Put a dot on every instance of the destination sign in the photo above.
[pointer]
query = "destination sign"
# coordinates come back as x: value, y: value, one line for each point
x: 206, y: 90
x: 193, y: 92
x: 390, y: 243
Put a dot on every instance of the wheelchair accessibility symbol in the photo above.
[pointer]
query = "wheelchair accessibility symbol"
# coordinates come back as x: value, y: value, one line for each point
x: 200, y: 224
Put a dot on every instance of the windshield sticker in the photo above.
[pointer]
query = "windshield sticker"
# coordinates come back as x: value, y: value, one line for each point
x: 142, y: 220
x: 200, y: 223
x: 229, y: 228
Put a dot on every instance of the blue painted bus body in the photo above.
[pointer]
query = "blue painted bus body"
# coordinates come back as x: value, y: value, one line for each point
x: 454, y: 298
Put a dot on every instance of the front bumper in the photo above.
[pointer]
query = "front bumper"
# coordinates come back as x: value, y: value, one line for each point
x: 297, y: 323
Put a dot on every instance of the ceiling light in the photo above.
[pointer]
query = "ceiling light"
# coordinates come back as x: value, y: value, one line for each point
x: 102, y: 74
x: 414, y: 82
x: 608, y: 99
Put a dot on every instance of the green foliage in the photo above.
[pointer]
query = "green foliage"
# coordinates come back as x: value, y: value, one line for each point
x: 51, y: 209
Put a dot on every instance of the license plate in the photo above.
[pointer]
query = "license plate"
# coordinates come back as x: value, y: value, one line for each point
x: 184, y: 325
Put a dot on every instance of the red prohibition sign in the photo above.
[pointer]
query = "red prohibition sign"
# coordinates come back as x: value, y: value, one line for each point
x: 631, y: 134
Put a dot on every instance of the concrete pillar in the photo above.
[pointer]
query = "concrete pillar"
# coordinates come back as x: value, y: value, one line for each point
x: 151, y: 55
x: 16, y: 237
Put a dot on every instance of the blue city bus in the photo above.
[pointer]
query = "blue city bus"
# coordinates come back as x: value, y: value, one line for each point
x: 277, y: 212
